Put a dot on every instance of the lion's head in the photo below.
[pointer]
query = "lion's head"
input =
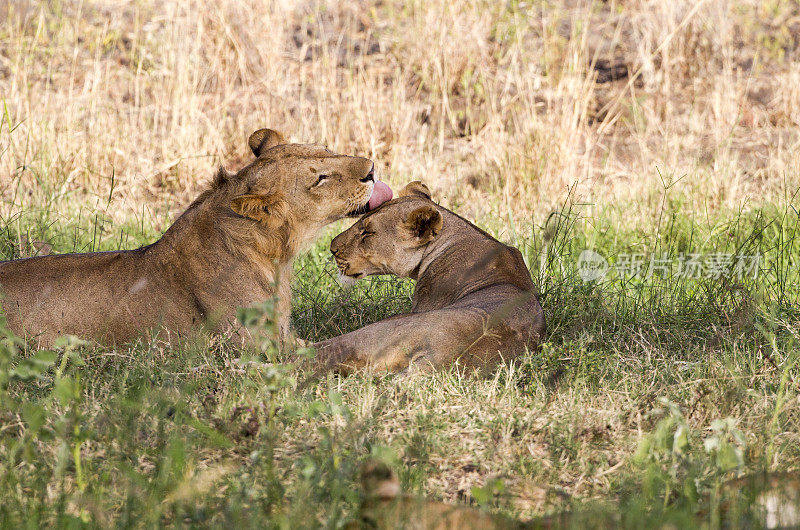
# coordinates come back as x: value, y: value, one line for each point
x: 281, y: 200
x: 392, y: 239
x: 316, y: 185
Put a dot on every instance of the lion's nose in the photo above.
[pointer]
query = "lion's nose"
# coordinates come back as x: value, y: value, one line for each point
x: 370, y: 176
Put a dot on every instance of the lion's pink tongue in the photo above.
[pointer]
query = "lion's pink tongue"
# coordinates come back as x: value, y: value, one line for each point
x: 381, y: 193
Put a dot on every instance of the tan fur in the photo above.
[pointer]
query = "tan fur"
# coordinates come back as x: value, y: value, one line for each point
x: 232, y: 247
x: 386, y: 507
x: 773, y: 498
x: 474, y: 300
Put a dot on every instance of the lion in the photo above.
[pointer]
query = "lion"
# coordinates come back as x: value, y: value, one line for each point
x: 385, y: 506
x: 474, y: 302
x: 231, y: 248
x: 759, y: 500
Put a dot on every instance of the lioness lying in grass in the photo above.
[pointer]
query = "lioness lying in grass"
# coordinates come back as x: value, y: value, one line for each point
x: 474, y: 300
x: 232, y: 247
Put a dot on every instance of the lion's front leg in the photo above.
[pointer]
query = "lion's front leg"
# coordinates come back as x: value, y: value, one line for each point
x: 337, y: 354
x: 388, y: 345
x: 427, y: 340
x: 369, y: 347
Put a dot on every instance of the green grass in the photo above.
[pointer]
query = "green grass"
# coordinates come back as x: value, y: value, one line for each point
x: 647, y: 396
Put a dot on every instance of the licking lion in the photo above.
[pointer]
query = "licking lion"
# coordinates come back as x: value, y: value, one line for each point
x: 232, y: 247
x: 474, y: 302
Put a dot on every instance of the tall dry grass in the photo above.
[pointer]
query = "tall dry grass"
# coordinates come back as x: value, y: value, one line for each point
x: 116, y: 104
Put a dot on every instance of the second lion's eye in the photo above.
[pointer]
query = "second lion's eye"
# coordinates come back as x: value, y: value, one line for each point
x: 321, y: 179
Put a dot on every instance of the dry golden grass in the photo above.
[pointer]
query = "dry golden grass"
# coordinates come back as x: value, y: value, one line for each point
x: 507, y: 100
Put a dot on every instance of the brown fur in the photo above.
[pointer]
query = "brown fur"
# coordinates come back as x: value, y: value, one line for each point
x: 474, y: 301
x: 774, y: 498
x: 232, y: 247
x: 386, y: 507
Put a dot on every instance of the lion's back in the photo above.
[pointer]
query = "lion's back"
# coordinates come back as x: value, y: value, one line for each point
x: 90, y: 295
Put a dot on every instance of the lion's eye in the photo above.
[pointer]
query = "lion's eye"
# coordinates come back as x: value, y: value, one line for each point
x: 321, y: 179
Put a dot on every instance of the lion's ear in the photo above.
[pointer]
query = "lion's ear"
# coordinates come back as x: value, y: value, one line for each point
x: 424, y: 224
x: 415, y: 188
x: 264, y: 139
x: 261, y: 208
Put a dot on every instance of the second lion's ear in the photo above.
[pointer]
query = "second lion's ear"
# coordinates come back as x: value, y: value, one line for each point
x: 264, y: 139
x: 415, y: 188
x: 261, y: 208
x: 424, y: 224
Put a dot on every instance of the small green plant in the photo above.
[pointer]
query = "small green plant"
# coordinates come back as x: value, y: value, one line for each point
x: 485, y: 495
x: 54, y: 415
x: 671, y: 467
x: 677, y: 474
x: 725, y: 446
